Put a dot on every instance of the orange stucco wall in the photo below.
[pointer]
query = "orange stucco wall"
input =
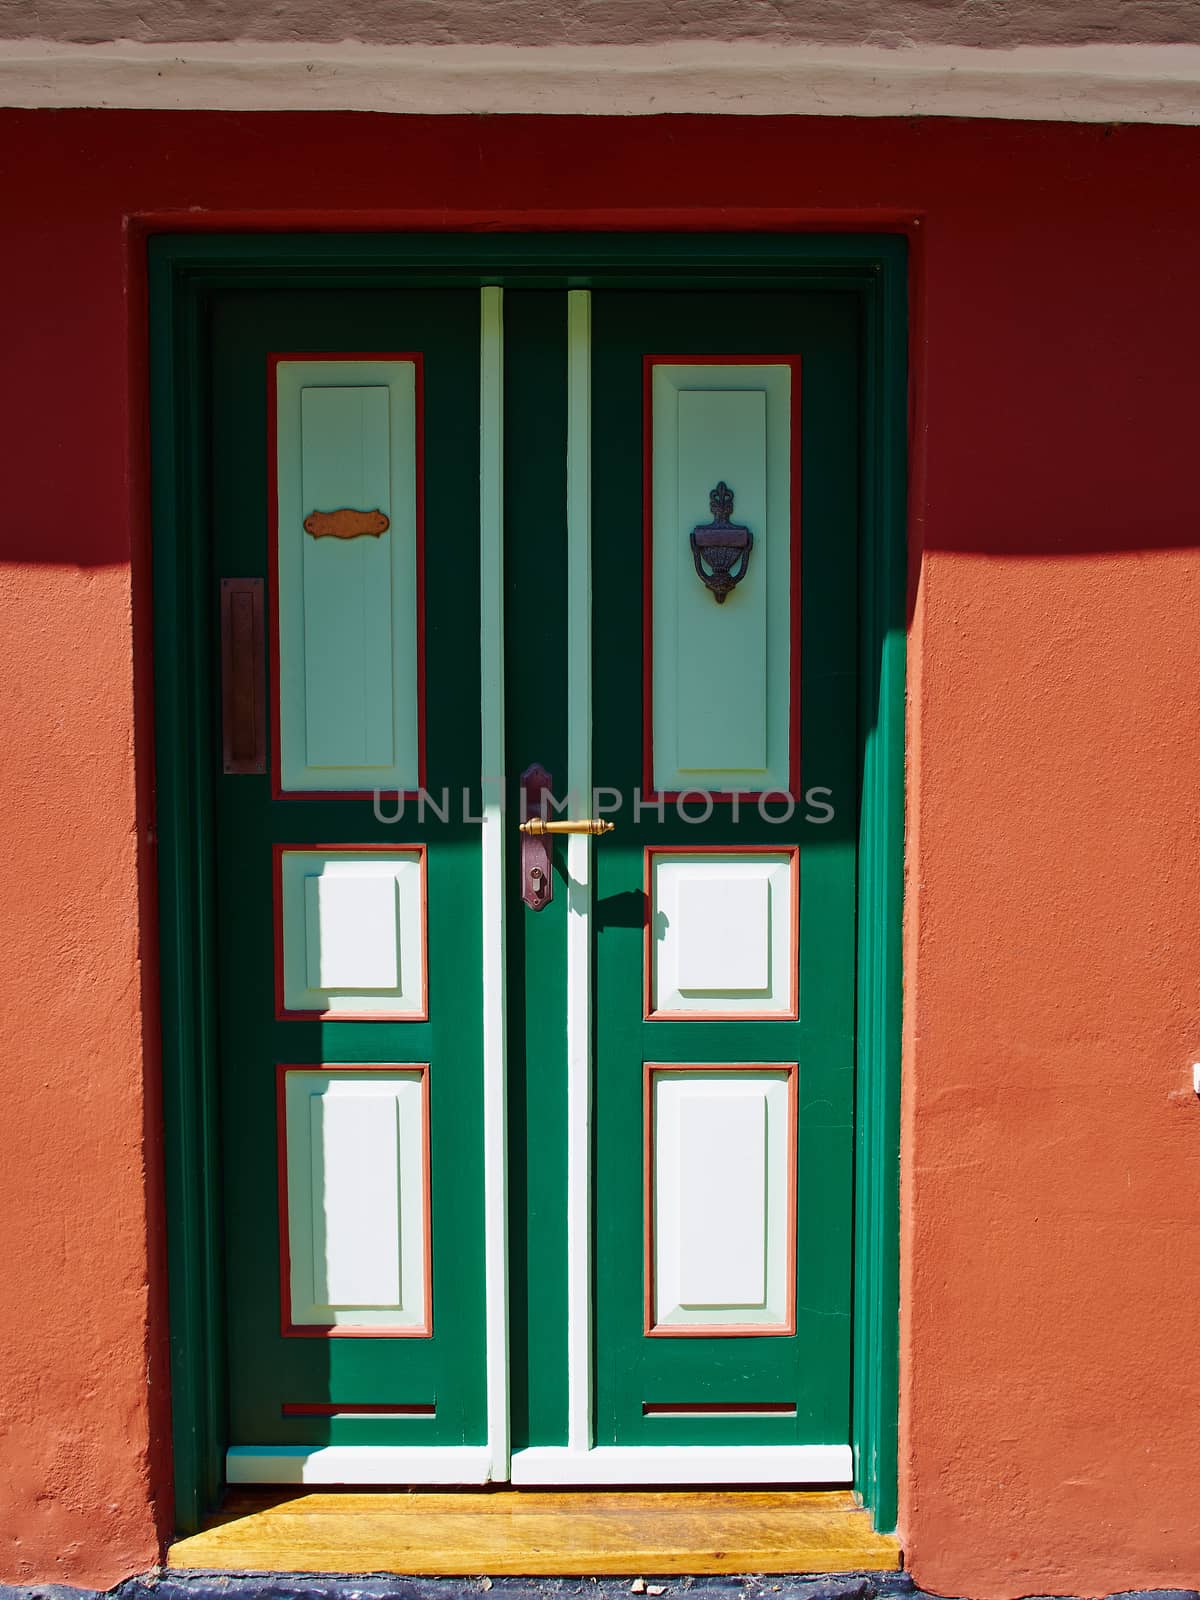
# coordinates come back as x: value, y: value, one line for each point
x: 78, y: 1341
x: 1050, y: 1437
x: 1051, y: 1138
x: 1051, y: 1406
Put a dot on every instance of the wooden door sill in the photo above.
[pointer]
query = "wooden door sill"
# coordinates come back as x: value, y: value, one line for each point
x: 539, y: 1533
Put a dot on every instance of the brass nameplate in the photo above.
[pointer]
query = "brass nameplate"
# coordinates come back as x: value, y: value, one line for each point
x: 346, y: 524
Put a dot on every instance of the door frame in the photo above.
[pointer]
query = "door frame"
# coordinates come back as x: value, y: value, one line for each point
x: 184, y: 271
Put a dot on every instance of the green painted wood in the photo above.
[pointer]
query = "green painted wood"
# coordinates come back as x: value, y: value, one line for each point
x: 184, y: 752
x: 535, y: 556
x: 841, y: 262
x: 187, y: 275
x: 881, y: 885
x: 810, y: 1368
x: 265, y: 1369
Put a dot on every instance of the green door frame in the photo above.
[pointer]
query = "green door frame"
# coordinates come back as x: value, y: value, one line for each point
x: 184, y: 272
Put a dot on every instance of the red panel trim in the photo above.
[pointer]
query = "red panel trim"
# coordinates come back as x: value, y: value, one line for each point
x: 273, y: 359
x: 238, y: 666
x: 309, y: 1330
x: 719, y: 1408
x: 305, y: 1408
x: 282, y: 1014
x: 717, y: 1330
x: 649, y: 362
x: 649, y: 1013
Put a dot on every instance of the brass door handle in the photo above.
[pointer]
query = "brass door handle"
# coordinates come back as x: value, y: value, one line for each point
x: 537, y: 826
x: 537, y: 836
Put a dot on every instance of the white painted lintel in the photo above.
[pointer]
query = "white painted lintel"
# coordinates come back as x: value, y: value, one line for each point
x: 1058, y: 83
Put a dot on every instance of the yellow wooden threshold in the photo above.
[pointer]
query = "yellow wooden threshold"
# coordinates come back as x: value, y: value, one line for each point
x: 538, y: 1533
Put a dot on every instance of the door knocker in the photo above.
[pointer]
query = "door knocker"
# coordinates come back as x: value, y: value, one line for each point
x: 725, y: 546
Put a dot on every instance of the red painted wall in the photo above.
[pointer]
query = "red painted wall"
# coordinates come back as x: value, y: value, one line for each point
x: 1051, y: 1235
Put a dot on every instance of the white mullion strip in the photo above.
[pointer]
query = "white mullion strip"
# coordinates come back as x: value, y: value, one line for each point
x: 579, y: 891
x: 491, y: 640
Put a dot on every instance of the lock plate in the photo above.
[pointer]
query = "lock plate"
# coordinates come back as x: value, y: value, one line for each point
x: 537, y: 870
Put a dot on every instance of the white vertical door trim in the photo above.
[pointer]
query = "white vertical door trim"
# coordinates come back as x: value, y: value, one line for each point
x: 579, y: 890
x: 491, y: 640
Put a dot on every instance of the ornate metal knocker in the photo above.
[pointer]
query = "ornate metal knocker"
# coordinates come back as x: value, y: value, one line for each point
x: 720, y: 548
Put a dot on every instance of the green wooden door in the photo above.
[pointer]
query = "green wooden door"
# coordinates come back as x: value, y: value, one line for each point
x: 563, y: 1195
x: 352, y: 1178
x: 725, y: 1029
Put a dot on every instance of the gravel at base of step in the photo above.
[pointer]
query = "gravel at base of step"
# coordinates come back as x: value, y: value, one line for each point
x: 331, y: 1586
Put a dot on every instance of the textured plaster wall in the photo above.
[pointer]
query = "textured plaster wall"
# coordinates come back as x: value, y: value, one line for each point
x: 1051, y: 1208
x: 82, y: 1396
x: 539, y: 22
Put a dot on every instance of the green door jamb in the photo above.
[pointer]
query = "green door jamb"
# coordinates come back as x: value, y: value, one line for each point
x: 184, y: 272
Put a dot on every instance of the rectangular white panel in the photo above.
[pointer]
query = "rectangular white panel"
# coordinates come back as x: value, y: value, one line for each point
x: 348, y: 681
x: 351, y: 926
x: 722, y: 933
x: 721, y: 695
x: 357, y: 1198
x: 721, y: 650
x: 352, y: 930
x: 722, y: 1197
x: 346, y: 608
x: 354, y: 1191
x: 722, y: 1221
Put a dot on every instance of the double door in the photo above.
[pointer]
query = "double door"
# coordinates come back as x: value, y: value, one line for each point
x: 537, y: 1146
